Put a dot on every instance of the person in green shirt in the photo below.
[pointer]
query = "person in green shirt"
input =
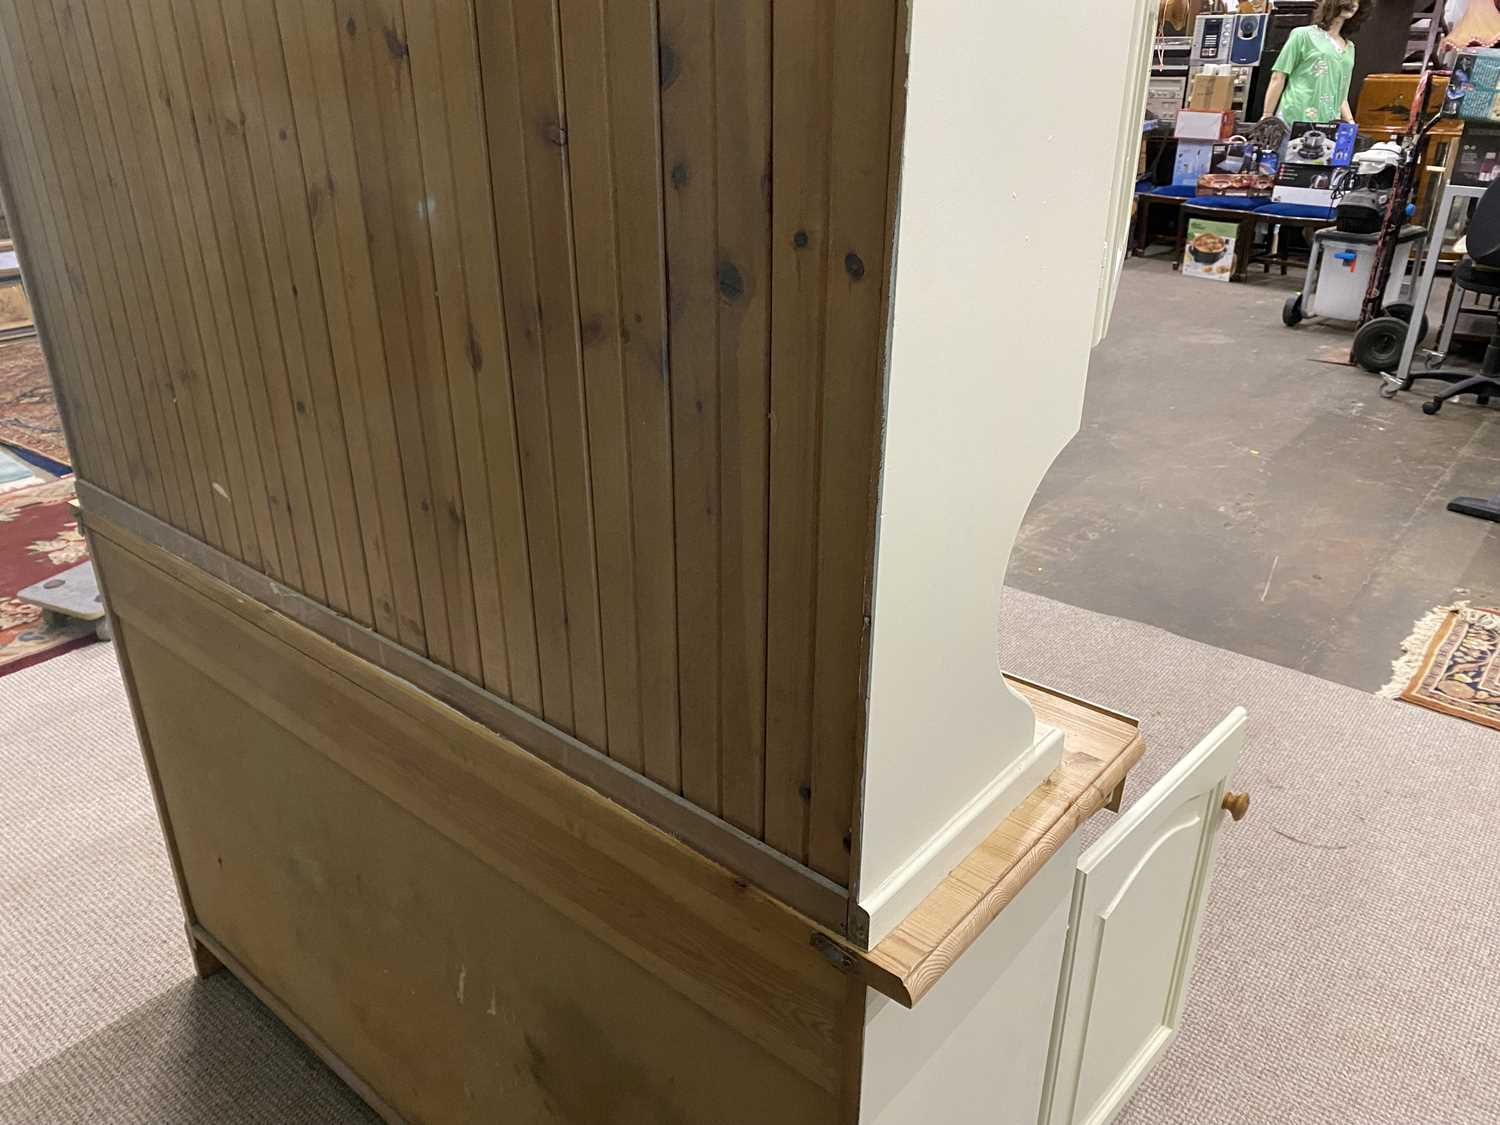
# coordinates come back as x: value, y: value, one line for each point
x: 1310, y: 81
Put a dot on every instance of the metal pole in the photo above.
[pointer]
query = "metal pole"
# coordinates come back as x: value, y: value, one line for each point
x: 1390, y: 227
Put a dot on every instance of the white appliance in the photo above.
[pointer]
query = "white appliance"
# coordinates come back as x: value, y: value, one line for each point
x: 1237, y: 39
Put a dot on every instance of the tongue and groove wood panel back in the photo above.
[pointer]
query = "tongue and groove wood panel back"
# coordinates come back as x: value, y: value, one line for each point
x: 543, y: 337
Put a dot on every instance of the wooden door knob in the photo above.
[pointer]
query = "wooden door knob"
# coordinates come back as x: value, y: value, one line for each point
x: 1237, y: 804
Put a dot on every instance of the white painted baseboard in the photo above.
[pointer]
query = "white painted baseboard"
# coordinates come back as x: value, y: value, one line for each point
x: 915, y: 879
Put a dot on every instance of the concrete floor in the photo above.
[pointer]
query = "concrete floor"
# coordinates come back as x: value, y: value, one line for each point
x: 1229, y: 487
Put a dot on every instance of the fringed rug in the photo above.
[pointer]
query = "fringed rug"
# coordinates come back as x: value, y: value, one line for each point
x: 1451, y: 663
x: 28, y: 413
x: 39, y: 537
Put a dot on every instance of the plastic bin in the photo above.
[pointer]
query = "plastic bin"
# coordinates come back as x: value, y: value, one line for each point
x: 1340, y: 271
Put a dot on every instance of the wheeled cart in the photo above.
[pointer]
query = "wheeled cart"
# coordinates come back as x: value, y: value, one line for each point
x: 1338, y: 274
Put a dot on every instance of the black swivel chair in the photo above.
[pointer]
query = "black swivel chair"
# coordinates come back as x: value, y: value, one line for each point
x: 1479, y: 272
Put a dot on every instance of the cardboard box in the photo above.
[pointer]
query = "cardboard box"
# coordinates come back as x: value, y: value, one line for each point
x: 1194, y: 159
x: 1478, y: 161
x: 1239, y: 155
x: 1212, y: 92
x: 1204, y: 125
x: 1237, y: 183
x: 1209, y: 252
x: 1473, y: 86
x: 1328, y: 145
x: 1310, y: 184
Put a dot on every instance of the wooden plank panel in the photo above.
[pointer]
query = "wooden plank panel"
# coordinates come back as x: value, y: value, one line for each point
x: 202, y: 171
x: 590, y: 157
x: 801, y: 50
x: 50, y: 94
x: 742, y: 53
x: 540, y: 140
x: 48, y: 299
x: 543, y: 337
x: 370, y: 351
x: 219, y: 124
x: 378, y: 144
x: 485, y: 1002
x: 294, y: 197
x: 853, y: 390
x: 57, y: 197
x: 689, y: 155
x: 63, y: 181
x: 206, y: 345
x: 258, y: 79
x: 741, y: 956
x: 52, y: 293
x: 134, y: 126
x: 72, y: 351
x: 130, y: 233
x: 507, y: 127
x: 635, y: 127
x: 238, y: 587
x: 21, y: 215
x: 480, y: 350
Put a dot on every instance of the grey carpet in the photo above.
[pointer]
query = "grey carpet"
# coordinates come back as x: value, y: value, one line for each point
x: 1349, y: 965
x: 1349, y: 970
x: 101, y: 1017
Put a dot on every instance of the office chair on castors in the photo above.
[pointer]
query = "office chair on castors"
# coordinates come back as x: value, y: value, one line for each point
x: 1479, y: 272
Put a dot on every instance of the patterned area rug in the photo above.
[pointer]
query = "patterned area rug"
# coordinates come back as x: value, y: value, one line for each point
x: 1451, y: 663
x: 39, y: 537
x: 28, y: 412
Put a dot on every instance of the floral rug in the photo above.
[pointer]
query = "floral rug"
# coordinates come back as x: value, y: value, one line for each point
x: 1451, y: 663
x: 28, y: 412
x: 39, y: 537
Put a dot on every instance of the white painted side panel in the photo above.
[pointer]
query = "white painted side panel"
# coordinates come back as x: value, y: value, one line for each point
x: 975, y: 1048
x: 906, y: 887
x: 1009, y: 204
x: 1132, y: 111
x: 1137, y: 904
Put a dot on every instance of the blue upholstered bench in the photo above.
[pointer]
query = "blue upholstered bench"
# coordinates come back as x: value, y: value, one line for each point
x: 1226, y: 202
x: 1245, y: 210
x: 1148, y: 197
x: 1241, y: 210
x: 1306, y: 217
x: 1297, y: 211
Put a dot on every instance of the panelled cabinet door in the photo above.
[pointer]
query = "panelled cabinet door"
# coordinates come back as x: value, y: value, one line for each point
x: 1137, y: 898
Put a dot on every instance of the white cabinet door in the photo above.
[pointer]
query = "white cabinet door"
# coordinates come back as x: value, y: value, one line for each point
x: 1137, y: 898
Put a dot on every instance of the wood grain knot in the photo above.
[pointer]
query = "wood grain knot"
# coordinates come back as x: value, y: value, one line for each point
x: 669, y: 66
x: 396, y: 45
x: 731, y: 282
x: 591, y: 332
x: 475, y: 352
x: 854, y: 265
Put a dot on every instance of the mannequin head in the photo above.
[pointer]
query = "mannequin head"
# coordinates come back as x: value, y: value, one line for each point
x: 1342, y: 17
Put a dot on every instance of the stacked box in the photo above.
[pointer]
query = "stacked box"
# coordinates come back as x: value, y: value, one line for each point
x: 1311, y: 184
x: 1194, y: 159
x: 1325, y: 144
x: 1473, y: 86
